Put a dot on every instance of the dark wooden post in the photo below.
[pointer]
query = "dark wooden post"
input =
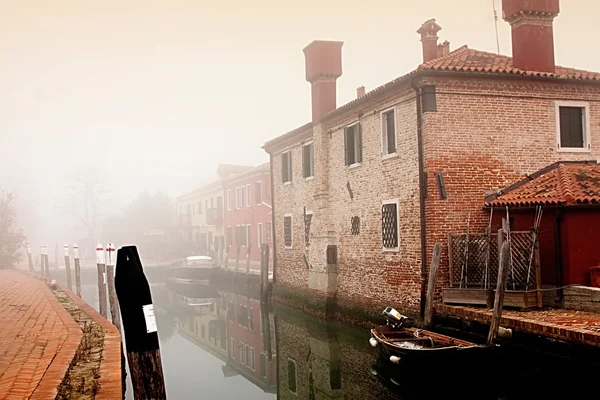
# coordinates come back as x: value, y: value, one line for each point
x: 139, y: 326
x: 100, y: 264
x: 538, y: 274
x: 500, y: 288
x: 29, y: 258
x: 264, y: 272
x: 45, y: 266
x: 68, y: 267
x: 433, y: 272
x: 77, y: 269
x: 111, y: 259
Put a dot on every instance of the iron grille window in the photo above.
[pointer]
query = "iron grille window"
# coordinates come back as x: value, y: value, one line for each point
x: 307, y: 221
x: 258, y: 192
x: 389, y: 225
x: 308, y: 166
x: 355, y: 221
x: 353, y: 144
x: 572, y: 133
x: 287, y: 231
x: 286, y: 166
x: 388, y: 132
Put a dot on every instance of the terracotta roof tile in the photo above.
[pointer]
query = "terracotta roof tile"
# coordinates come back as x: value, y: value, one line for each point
x: 561, y: 184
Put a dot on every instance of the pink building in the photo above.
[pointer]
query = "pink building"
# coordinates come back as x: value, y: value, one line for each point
x: 248, y: 216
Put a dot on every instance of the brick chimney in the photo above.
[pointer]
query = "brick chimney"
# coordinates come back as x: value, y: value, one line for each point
x: 360, y: 92
x: 429, y: 38
x: 532, y: 33
x: 323, y: 67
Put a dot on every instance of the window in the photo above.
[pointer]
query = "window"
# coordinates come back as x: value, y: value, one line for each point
x: 263, y: 365
x: 292, y: 375
x: 286, y: 167
x: 287, y: 231
x: 243, y: 318
x: 242, y: 353
x: 233, y: 348
x: 248, y: 203
x: 258, y: 192
x: 229, y: 236
x: 353, y: 144
x: 248, y: 235
x: 199, y: 208
x: 389, y: 225
x: 252, y: 357
x: 573, y: 126
x: 355, y: 222
x: 247, y: 355
x: 308, y: 162
x: 230, y: 312
x: 241, y: 235
x: 269, y: 232
x: 259, y: 236
x: 203, y: 331
x: 388, y: 132
x: 251, y: 318
x: 229, y: 199
x: 243, y: 198
x: 237, y: 197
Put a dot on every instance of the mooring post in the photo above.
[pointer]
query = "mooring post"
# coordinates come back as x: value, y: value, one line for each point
x: 29, y: 258
x: 42, y: 272
x: 111, y: 259
x: 433, y: 272
x: 264, y: 272
x: 77, y: 269
x: 500, y: 288
x: 68, y: 267
x: 45, y: 267
x: 139, y: 326
x: 101, y: 265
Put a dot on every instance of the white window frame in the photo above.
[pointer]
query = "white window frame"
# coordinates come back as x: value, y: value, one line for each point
x: 384, y: 143
x: 248, y: 233
x: 587, y: 144
x: 397, y: 203
x: 243, y: 196
x: 248, y: 197
x: 355, y: 164
x: 259, y: 234
x: 228, y: 199
x: 288, y: 167
x: 260, y: 184
x: 295, y: 376
x: 237, y: 197
x: 252, y: 364
x: 291, y: 246
x: 312, y: 160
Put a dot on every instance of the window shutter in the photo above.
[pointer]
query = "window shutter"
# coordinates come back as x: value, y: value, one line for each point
x: 359, y: 143
x: 346, y: 146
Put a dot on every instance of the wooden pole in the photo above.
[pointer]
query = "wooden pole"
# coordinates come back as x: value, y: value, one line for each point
x: 139, y: 326
x: 264, y: 272
x: 450, y: 260
x: 77, y: 270
x: 500, y: 288
x: 29, y: 258
x: 538, y: 275
x: 68, y: 267
x: 433, y: 272
x: 111, y: 259
x: 101, y: 265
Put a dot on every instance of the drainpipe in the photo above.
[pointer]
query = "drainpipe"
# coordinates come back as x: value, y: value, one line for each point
x: 558, y: 247
x: 422, y: 190
x: 273, y: 226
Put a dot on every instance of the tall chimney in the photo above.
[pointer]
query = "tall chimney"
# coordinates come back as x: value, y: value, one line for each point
x: 429, y: 38
x: 360, y: 92
x: 323, y: 67
x: 446, y: 48
x: 532, y: 33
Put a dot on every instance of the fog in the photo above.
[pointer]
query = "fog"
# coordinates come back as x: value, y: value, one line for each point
x: 154, y: 94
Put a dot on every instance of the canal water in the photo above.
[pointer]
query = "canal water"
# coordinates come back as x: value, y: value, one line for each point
x: 219, y: 342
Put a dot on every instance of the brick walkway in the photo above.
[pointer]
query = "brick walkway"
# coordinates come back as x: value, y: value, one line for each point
x: 567, y: 325
x: 38, y: 338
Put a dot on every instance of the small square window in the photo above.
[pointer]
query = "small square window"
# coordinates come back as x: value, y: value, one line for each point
x: 388, y: 132
x: 353, y: 144
x: 572, y: 126
x: 308, y: 162
x: 286, y: 167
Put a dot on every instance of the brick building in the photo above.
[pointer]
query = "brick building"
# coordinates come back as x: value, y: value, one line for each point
x: 379, y: 180
x: 248, y: 217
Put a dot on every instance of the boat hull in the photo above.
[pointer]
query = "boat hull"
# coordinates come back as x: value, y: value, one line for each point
x: 190, y: 274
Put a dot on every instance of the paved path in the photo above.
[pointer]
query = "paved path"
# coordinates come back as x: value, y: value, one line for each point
x: 38, y: 338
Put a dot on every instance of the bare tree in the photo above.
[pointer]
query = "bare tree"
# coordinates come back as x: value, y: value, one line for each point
x: 12, y: 239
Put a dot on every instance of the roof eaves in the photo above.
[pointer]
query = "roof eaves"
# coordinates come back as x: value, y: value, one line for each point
x: 273, y: 144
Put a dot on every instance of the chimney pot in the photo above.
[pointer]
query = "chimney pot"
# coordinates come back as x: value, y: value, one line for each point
x: 360, y: 92
x: 440, y: 50
x: 446, y: 48
x: 532, y: 33
x: 429, y: 38
x: 323, y: 67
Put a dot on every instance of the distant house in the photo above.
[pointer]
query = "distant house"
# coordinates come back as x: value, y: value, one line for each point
x: 363, y: 191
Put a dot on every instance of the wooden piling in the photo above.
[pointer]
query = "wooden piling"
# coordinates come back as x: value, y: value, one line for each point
x: 77, y: 270
x: 500, y: 289
x: 111, y: 259
x: 101, y: 266
x: 139, y: 326
x: 264, y: 272
x: 433, y: 272
x: 29, y: 258
x: 68, y: 267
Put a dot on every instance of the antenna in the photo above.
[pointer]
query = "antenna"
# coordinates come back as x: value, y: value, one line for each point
x: 496, y: 24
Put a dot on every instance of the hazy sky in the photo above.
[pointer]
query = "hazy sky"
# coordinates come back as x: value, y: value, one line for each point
x: 158, y: 93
